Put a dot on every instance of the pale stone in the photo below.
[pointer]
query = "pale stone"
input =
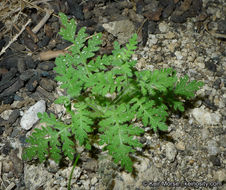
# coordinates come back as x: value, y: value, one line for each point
x: 171, y: 151
x: 163, y: 27
x: 30, y: 117
x: 178, y: 55
x: 169, y: 35
x: 220, y: 175
x: 204, y: 117
x: 123, y: 29
x: 180, y: 146
x: 94, y: 180
x: 35, y: 176
x: 5, y: 115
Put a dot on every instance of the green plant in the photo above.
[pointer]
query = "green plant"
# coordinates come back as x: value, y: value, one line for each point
x: 105, y: 94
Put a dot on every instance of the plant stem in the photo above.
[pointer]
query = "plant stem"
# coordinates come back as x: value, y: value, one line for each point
x: 128, y: 89
x: 95, y: 108
x: 72, y: 171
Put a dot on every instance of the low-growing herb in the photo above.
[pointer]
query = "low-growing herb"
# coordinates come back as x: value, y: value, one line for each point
x: 106, y: 95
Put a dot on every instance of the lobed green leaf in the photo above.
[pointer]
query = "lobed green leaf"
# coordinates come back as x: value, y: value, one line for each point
x: 149, y: 113
x: 68, y: 31
x: 187, y: 89
x: 144, y: 95
x: 118, y: 135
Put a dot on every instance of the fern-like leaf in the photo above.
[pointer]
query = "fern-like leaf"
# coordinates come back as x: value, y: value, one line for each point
x: 187, y: 89
x: 158, y: 80
x: 124, y: 54
x: 81, y: 124
x: 88, y: 81
x: 65, y: 100
x: 93, y: 46
x: 149, y: 113
x: 118, y: 135
x: 37, y: 148
x: 68, y: 31
x: 49, y: 145
x: 78, y: 44
x: 102, y: 83
x: 98, y: 64
x: 70, y: 79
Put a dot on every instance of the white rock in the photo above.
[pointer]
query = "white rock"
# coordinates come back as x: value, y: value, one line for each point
x: 151, y: 174
x: 220, y: 175
x: 119, y: 185
x: 77, y: 172
x: 205, y: 133
x: 5, y: 115
x: 171, y: 151
x: 30, y: 117
x: 86, y: 184
x: 213, y: 148
x: 63, y: 183
x: 152, y: 41
x: 53, y: 166
x: 134, y: 57
x: 163, y: 27
x: 94, y: 180
x: 178, y: 55
x: 199, y: 61
x: 180, y: 145
x: 169, y: 35
x: 223, y: 141
x: 204, y: 117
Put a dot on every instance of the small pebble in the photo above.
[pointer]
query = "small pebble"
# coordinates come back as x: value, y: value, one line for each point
x: 212, y: 147
x: 30, y: 117
x: 180, y: 146
x: 163, y: 27
x: 171, y: 151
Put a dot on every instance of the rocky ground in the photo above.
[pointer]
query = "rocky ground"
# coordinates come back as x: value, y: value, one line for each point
x: 188, y: 36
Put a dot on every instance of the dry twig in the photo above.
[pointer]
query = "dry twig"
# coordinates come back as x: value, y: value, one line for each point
x: 32, y: 34
x: 141, y: 26
x: 216, y: 35
x: 43, y: 21
x: 14, y: 38
x: 44, y: 56
x: 47, y: 55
